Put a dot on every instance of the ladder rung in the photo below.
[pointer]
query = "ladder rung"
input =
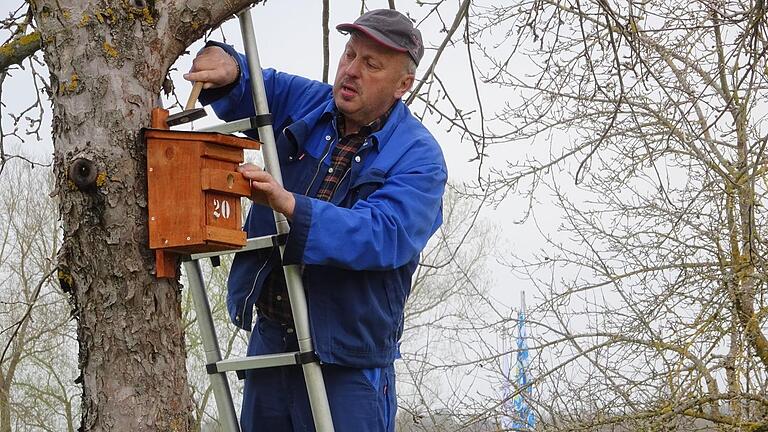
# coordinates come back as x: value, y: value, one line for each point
x: 230, y: 127
x: 251, y: 244
x: 257, y: 362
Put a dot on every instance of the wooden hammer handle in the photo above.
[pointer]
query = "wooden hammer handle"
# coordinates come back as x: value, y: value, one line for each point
x: 194, y: 94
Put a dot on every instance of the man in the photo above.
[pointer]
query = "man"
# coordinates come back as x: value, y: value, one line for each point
x: 363, y: 183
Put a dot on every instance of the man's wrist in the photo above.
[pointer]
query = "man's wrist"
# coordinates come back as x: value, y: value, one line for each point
x: 237, y: 68
x: 290, y: 206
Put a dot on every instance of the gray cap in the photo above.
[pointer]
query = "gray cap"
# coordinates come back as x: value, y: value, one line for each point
x: 391, y: 29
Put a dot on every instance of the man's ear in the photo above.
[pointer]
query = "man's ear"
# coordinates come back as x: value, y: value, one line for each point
x: 405, y: 84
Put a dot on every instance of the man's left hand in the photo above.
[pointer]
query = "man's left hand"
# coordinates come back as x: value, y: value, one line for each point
x: 266, y: 191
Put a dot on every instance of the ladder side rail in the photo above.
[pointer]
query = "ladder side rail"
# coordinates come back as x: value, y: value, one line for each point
x: 221, y: 392
x: 313, y: 376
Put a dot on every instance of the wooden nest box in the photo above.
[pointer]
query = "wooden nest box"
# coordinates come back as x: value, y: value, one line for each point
x: 194, y: 192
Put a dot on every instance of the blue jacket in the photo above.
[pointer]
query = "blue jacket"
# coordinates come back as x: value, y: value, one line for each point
x: 359, y: 250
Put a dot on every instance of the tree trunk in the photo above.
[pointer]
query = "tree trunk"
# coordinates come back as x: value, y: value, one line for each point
x: 107, y: 60
x: 5, y: 407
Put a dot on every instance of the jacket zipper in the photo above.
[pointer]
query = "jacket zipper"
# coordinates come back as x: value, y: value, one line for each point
x: 319, y: 164
x: 253, y: 286
x: 333, y: 192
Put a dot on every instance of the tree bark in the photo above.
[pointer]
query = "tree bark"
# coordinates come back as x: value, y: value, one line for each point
x: 107, y: 60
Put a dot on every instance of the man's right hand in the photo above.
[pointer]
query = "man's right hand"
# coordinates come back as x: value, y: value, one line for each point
x: 214, y: 67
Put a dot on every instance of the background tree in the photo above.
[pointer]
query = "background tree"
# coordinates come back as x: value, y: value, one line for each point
x: 449, y: 343
x: 37, y: 357
x: 652, y: 297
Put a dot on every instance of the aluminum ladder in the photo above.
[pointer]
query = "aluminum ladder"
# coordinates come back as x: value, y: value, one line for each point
x: 216, y: 366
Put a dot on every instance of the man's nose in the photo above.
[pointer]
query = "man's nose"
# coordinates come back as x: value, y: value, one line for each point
x: 353, y: 68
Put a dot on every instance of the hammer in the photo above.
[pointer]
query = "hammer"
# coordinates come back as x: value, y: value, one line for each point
x: 190, y: 113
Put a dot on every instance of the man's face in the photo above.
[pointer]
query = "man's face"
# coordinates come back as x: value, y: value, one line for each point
x: 370, y: 78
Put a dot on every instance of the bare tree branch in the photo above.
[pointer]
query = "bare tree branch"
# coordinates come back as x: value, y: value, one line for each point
x: 18, y: 49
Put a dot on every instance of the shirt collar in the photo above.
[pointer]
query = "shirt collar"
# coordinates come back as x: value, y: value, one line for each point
x: 372, y: 127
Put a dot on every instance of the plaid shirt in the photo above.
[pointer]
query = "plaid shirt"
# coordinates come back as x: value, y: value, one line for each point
x: 273, y: 302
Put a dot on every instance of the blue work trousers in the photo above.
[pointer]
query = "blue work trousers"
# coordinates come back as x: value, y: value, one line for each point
x: 275, y: 399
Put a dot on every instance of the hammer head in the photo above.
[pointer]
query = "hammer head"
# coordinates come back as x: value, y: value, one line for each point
x: 185, y: 116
